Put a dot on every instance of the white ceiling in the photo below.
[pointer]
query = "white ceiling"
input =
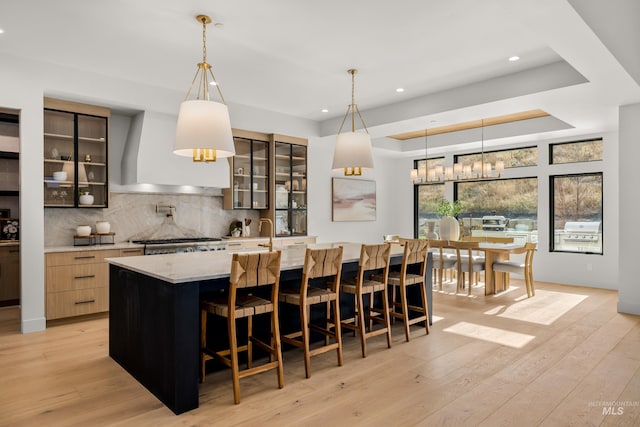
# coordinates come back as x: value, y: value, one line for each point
x: 291, y: 56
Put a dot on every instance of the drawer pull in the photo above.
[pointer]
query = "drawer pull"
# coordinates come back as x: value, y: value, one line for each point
x: 89, y: 276
x: 85, y: 257
x: 14, y: 251
x: 234, y: 244
x: 128, y: 251
x: 89, y: 301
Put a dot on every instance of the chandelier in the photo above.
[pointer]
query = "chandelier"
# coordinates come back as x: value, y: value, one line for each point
x: 353, y: 149
x: 479, y: 170
x: 203, y: 131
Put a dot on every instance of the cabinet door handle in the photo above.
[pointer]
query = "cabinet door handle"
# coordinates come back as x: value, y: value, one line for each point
x: 131, y: 251
x: 14, y: 251
x: 88, y: 276
x: 89, y: 301
x: 85, y: 257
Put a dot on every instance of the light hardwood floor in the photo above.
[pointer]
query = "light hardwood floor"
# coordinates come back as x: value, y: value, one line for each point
x: 492, y: 361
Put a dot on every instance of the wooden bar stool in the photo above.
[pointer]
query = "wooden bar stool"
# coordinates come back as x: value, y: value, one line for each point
x: 248, y: 271
x: 372, y: 257
x: 415, y: 252
x: 318, y: 264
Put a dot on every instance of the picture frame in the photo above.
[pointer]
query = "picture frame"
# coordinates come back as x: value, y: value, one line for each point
x: 353, y: 200
x: 9, y: 229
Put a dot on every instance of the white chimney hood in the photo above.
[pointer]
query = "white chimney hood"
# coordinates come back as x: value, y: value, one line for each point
x: 148, y: 156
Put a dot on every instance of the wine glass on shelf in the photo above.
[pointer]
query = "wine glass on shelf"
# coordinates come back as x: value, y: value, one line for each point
x: 63, y: 195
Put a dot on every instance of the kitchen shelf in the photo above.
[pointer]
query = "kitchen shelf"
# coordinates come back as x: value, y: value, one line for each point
x: 249, y: 174
x: 74, y: 133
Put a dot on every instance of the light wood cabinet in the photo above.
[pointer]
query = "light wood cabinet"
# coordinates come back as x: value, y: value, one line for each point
x: 75, y: 154
x: 77, y: 282
x: 249, y: 169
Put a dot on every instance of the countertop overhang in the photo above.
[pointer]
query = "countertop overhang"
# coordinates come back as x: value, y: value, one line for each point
x: 197, y: 266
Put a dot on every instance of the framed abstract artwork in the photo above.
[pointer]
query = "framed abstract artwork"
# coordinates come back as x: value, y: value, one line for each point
x: 353, y: 200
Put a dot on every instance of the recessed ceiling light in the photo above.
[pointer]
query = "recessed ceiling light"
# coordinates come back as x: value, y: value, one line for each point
x: 1, y: 31
x: 400, y: 90
x: 324, y: 110
x: 514, y: 58
x: 212, y: 83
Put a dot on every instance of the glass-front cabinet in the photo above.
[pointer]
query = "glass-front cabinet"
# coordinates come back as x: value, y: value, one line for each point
x: 250, y: 174
x: 75, y: 159
x: 290, y: 189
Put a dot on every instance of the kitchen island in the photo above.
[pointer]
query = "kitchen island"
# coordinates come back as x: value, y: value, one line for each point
x: 154, y: 319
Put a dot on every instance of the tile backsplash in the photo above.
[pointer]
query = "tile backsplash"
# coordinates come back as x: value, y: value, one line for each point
x: 133, y: 213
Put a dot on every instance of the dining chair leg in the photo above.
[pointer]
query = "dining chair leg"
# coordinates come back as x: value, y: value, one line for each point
x: 233, y: 353
x: 385, y: 313
x: 405, y: 310
x: 361, y: 324
x: 425, y: 305
x: 337, y: 328
x: 392, y: 308
x: 277, y: 346
x: 304, y: 327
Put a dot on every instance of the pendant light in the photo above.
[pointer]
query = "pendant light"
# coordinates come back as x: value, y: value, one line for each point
x: 203, y: 131
x: 353, y: 149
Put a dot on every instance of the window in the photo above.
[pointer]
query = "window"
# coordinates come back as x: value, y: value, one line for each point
x: 576, y: 213
x: 515, y: 199
x: 426, y: 197
x: 512, y: 158
x: 574, y: 152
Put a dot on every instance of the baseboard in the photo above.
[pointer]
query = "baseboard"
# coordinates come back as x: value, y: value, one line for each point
x: 628, y: 307
x: 33, y: 325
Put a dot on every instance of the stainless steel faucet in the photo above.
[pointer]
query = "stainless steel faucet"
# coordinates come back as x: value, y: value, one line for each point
x: 270, y: 232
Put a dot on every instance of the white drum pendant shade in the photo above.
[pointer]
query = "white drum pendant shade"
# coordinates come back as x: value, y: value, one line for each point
x: 353, y: 149
x: 203, y: 125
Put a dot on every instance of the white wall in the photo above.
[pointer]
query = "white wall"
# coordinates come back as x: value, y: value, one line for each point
x: 320, y: 153
x: 629, y: 207
x: 600, y: 271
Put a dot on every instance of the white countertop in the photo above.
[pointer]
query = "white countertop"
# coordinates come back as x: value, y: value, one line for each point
x: 195, y: 266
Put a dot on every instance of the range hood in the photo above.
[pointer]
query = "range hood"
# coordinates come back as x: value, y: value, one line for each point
x: 148, y: 156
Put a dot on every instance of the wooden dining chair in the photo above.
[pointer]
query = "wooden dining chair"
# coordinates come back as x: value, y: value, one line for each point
x: 415, y: 254
x: 248, y: 272
x: 524, y: 268
x: 467, y: 264
x: 372, y: 257
x: 319, y: 265
x: 442, y: 261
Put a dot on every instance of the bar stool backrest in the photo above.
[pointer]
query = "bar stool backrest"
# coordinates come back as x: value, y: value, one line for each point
x: 322, y: 263
x: 255, y: 269
x: 374, y: 257
x: 415, y: 252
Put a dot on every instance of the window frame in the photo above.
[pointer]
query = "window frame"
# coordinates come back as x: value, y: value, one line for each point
x: 457, y: 156
x: 556, y: 144
x: 552, y: 229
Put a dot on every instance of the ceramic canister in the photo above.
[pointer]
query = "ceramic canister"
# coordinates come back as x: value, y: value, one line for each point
x: 83, y: 230
x: 103, y: 227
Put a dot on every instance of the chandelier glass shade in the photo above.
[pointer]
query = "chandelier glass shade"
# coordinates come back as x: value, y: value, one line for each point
x: 353, y: 151
x: 203, y: 131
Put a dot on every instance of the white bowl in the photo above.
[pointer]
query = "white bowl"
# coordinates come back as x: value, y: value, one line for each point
x: 60, y: 176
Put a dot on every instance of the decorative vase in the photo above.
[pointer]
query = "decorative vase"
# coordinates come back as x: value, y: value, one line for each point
x: 430, y: 233
x: 449, y: 228
x: 235, y: 233
x: 103, y: 227
x: 86, y: 199
x: 247, y: 231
